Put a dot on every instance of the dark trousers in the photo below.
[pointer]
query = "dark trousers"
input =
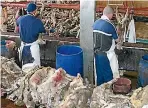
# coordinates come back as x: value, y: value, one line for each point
x: 26, y: 55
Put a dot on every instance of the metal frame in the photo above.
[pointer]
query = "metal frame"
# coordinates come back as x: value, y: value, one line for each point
x: 137, y: 11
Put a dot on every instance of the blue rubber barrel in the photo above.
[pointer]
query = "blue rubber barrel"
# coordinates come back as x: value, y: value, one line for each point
x: 70, y: 58
x: 143, y: 71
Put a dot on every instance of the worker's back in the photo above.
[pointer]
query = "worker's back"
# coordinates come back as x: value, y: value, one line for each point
x: 29, y: 28
x: 105, y: 26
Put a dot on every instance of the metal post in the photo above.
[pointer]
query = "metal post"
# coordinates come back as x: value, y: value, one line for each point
x: 87, y: 16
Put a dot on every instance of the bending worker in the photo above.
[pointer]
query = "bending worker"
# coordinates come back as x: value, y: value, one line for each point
x: 105, y: 35
x: 29, y: 28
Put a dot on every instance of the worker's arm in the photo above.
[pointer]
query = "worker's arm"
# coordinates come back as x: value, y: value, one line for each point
x: 18, y: 21
x: 115, y: 35
x: 41, y: 27
x: 16, y: 29
x: 41, y: 32
x: 119, y: 29
x: 17, y: 25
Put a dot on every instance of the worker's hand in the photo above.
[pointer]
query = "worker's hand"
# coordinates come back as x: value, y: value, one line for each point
x: 41, y: 41
x: 119, y: 46
x: 52, y: 30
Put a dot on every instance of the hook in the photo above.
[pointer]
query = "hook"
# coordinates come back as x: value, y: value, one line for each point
x: 132, y: 9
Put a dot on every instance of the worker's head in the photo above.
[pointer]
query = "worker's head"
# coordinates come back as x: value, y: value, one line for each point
x: 108, y: 11
x: 31, y: 8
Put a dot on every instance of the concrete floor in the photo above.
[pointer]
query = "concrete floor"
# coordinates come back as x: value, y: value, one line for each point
x: 5, y: 103
x: 132, y: 75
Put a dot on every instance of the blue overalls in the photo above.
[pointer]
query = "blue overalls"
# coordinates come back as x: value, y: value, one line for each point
x: 103, y: 33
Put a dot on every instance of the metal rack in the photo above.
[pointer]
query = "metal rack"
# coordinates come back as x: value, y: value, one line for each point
x: 137, y: 11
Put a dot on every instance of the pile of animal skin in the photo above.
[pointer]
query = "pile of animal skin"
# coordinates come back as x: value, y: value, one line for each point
x: 51, y: 88
x: 44, y: 87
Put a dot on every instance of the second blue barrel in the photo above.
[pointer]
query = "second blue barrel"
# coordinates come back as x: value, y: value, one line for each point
x: 143, y: 71
x: 70, y: 58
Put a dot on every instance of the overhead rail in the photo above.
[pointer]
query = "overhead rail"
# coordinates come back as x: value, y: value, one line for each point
x: 47, y: 5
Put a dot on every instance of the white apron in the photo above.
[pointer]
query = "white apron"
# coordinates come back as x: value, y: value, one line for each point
x: 113, y: 60
x: 112, y: 56
x: 35, y: 52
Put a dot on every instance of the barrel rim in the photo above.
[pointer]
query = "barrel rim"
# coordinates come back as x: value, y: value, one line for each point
x: 69, y: 46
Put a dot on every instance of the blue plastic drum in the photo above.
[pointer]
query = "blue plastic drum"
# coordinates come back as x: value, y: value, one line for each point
x: 143, y: 72
x: 70, y: 58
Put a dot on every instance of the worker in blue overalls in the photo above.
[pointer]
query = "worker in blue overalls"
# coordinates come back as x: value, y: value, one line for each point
x: 29, y: 28
x: 105, y: 35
